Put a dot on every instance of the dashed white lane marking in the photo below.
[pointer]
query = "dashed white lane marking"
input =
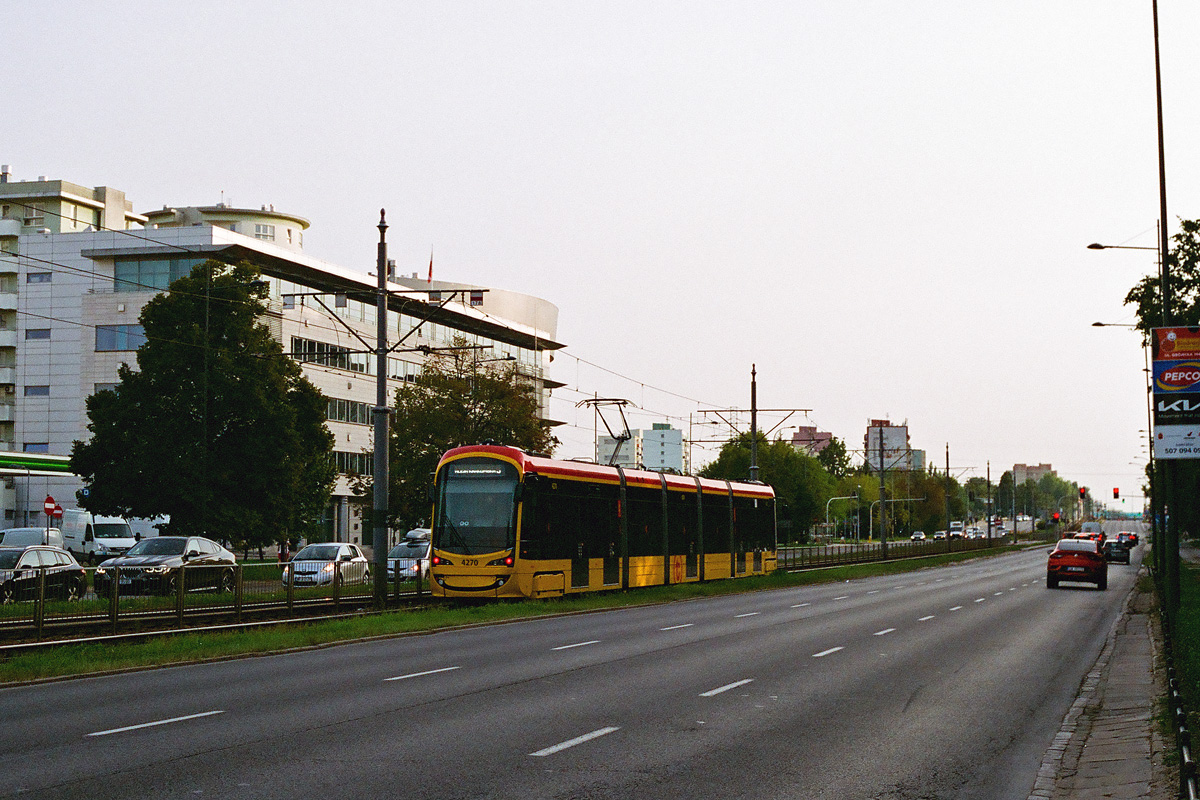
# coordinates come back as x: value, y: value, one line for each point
x: 873, y: 591
x: 843, y: 597
x: 421, y: 674
x: 750, y: 614
x: 726, y: 688
x: 677, y: 627
x: 587, y: 737
x: 883, y: 632
x: 801, y: 605
x: 828, y: 652
x: 926, y: 619
x: 957, y: 608
x: 577, y: 644
x: 158, y: 722
x: 997, y: 594
x: 981, y: 599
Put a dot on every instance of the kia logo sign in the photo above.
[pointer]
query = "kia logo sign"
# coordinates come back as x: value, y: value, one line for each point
x: 1178, y: 376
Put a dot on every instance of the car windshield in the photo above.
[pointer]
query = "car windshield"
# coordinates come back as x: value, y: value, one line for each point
x: 158, y: 546
x: 112, y: 530
x: 8, y: 558
x: 318, y: 552
x: 475, y: 507
x: 410, y: 548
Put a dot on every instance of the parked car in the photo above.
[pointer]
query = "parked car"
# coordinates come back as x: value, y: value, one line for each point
x: 153, y: 566
x: 21, y: 567
x: 1115, y: 550
x: 324, y: 563
x: 410, y: 558
x: 22, y: 537
x: 94, y: 538
x: 1077, y: 560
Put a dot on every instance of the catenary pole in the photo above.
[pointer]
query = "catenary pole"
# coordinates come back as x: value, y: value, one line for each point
x: 379, y: 539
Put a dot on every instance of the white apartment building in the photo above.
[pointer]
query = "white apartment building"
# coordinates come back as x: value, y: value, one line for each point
x: 897, y: 453
x: 659, y: 449
x: 70, y: 297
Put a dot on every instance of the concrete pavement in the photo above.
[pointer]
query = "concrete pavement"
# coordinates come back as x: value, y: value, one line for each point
x: 1110, y: 745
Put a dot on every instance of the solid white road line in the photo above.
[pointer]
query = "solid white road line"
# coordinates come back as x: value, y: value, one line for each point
x: 828, y: 652
x: 587, y: 737
x: 726, y: 688
x: 577, y: 644
x: 153, y: 724
x: 421, y: 674
x: 677, y: 627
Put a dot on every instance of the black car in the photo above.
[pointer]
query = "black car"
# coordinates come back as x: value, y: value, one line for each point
x: 153, y: 566
x: 21, y: 567
x: 1116, y: 550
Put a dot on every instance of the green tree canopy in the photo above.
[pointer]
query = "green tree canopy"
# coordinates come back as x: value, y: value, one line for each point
x: 216, y: 428
x: 457, y: 400
x: 835, y: 459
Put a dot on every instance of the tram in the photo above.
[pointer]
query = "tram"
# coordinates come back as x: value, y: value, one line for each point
x: 510, y: 524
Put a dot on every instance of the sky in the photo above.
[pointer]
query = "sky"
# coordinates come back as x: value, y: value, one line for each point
x: 882, y: 207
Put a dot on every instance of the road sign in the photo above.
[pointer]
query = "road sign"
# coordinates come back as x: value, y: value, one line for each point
x: 57, y: 512
x: 48, y: 505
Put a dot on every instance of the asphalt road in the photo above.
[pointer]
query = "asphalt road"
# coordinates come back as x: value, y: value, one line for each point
x: 947, y: 682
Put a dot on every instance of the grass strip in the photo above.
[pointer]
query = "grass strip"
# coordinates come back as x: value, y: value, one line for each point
x: 183, y: 648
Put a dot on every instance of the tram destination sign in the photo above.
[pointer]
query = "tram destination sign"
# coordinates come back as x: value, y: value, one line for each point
x: 1176, y: 392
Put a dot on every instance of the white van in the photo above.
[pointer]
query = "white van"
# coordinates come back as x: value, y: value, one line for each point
x: 93, y: 539
x: 23, y: 537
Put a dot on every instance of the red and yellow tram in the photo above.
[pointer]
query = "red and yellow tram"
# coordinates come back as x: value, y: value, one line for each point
x: 510, y: 524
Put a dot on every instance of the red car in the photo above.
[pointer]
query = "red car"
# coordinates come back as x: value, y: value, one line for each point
x: 1077, y: 560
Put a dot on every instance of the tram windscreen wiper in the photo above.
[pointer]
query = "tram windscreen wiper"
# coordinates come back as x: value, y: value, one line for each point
x: 466, y: 548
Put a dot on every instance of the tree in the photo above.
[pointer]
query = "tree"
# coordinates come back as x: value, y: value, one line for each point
x: 456, y: 400
x: 801, y: 484
x: 216, y: 428
x: 835, y: 459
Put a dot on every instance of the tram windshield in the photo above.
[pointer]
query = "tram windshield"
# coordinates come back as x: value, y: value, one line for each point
x: 475, y: 507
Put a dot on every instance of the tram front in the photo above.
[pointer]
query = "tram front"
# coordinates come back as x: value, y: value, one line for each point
x: 474, y: 529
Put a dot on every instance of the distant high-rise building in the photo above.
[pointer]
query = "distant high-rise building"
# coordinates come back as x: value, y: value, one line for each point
x: 810, y: 441
x: 659, y: 449
x: 1027, y: 472
x: 897, y: 454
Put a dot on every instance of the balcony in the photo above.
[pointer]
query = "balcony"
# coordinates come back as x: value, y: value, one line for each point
x: 8, y: 375
x: 8, y: 301
x: 8, y: 337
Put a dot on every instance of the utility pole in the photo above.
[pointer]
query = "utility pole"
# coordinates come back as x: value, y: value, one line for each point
x: 947, y: 497
x: 379, y: 480
x: 882, y: 504
x: 989, y: 502
x: 753, y: 423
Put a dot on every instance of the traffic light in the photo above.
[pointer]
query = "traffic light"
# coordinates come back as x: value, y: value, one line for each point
x: 1082, y: 492
x: 1116, y: 493
x: 1055, y: 517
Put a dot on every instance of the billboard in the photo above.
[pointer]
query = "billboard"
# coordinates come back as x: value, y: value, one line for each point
x: 1176, y: 388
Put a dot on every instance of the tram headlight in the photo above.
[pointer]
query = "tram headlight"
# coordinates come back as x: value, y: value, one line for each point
x: 507, y: 561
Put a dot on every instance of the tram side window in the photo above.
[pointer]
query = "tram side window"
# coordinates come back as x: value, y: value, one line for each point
x: 716, y: 523
x: 644, y: 520
x: 681, y: 521
x: 599, y: 525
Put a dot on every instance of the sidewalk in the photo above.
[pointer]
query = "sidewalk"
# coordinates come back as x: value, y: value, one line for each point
x: 1110, y: 745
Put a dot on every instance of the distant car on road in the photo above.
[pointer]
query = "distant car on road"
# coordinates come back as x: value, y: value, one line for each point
x: 410, y: 558
x: 326, y: 563
x: 1077, y: 560
x: 1115, y: 550
x: 153, y: 566
x: 918, y: 536
x: 939, y: 535
x: 21, y: 568
x: 1128, y: 538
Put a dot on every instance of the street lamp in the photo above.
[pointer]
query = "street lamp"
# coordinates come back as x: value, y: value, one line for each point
x: 1098, y: 246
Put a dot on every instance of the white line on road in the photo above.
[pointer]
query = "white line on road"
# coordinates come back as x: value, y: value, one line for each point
x: 843, y: 597
x: 153, y: 724
x: 577, y: 644
x: 925, y: 619
x: 677, y: 627
x: 828, y: 652
x: 883, y: 632
x: 997, y: 594
x: 421, y: 674
x: 980, y: 600
x: 873, y: 591
x: 587, y: 737
x: 751, y: 614
x: 801, y: 605
x: 957, y: 608
x: 726, y: 688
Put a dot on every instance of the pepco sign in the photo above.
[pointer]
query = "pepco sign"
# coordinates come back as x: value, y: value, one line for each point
x: 1176, y: 376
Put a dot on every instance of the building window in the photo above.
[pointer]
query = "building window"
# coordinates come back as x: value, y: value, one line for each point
x: 38, y: 277
x: 359, y: 463
x: 150, y: 274
x: 266, y: 232
x: 111, y: 338
x: 104, y: 387
x: 35, y: 214
x: 36, y: 333
x: 36, y: 447
x: 37, y: 391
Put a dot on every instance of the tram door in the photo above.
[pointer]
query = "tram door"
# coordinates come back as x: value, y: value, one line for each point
x: 612, y: 565
x: 580, y: 566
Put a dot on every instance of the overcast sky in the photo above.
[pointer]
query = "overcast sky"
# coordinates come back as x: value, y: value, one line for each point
x: 885, y: 206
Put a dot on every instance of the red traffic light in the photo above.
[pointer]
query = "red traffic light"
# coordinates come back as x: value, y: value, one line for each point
x: 1082, y: 492
x: 1116, y: 493
x: 1056, y: 516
